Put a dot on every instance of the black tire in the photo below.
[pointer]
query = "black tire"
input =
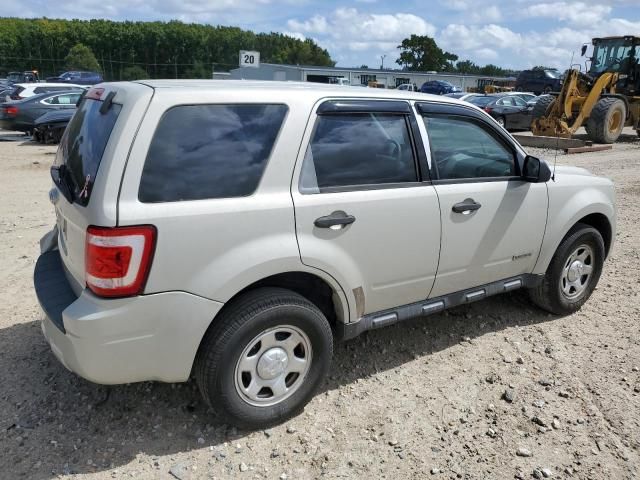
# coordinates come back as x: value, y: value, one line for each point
x: 607, y: 120
x: 237, y: 326
x: 549, y: 295
x: 542, y: 106
x: 547, y: 89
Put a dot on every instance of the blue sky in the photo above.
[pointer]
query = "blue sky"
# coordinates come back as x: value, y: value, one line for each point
x: 509, y: 33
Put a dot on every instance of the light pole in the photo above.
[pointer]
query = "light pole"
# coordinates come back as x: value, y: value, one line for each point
x: 382, y: 57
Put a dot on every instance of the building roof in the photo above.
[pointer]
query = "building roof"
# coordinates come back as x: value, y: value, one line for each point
x: 369, y: 71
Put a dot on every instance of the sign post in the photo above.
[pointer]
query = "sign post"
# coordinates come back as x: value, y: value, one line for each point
x: 249, y: 58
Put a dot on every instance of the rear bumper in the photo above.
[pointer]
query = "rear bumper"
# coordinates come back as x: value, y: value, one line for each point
x: 114, y: 341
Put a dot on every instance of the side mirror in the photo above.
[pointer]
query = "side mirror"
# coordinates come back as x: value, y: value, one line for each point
x: 535, y: 170
x: 584, y: 49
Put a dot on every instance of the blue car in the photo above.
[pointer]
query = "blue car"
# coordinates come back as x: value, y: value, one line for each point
x: 438, y: 87
x: 78, y: 78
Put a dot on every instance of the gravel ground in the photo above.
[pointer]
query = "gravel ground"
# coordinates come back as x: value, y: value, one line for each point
x: 498, y: 389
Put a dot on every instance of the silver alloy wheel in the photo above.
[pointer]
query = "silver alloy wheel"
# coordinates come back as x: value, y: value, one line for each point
x: 577, y: 272
x: 500, y: 121
x: 273, y: 366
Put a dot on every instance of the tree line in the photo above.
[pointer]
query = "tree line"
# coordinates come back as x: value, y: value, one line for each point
x: 159, y: 49
x: 421, y: 53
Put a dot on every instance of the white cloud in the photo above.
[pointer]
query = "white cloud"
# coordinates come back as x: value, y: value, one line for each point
x: 316, y: 24
x: 359, y: 32
x: 576, y: 13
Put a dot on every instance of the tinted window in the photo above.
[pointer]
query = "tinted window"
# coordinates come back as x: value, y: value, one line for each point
x: 462, y: 148
x: 209, y: 151
x: 83, y: 144
x: 358, y: 149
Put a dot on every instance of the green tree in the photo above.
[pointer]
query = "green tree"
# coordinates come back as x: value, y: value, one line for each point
x: 467, y: 66
x: 134, y: 72
x: 199, y: 70
x: 80, y: 57
x: 420, y: 52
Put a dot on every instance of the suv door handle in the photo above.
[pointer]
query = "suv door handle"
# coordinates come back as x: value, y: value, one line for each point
x: 467, y: 206
x: 337, y: 219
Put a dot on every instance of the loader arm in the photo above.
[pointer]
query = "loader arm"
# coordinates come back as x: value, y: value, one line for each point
x: 573, y: 105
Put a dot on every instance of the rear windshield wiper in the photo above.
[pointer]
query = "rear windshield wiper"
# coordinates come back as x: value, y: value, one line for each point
x: 107, y: 102
x: 62, y: 178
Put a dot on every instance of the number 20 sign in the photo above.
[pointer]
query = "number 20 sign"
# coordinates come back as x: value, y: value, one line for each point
x: 249, y: 59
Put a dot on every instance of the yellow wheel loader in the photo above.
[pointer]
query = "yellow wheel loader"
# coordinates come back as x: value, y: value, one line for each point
x: 603, y: 100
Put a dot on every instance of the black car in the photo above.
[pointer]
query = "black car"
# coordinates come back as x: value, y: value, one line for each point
x: 438, y: 87
x: 510, y: 111
x: 49, y: 127
x: 21, y: 115
x: 539, y: 81
x: 78, y: 78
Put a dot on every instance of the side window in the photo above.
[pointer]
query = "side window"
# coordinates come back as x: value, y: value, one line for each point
x: 461, y: 148
x: 50, y: 101
x: 68, y: 99
x: 351, y: 150
x: 209, y: 151
x: 39, y: 90
x: 519, y: 101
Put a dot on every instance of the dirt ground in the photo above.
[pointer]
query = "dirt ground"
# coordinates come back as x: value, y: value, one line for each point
x: 417, y: 400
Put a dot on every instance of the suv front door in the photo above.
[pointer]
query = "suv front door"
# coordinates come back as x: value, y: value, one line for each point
x: 362, y: 212
x: 492, y: 221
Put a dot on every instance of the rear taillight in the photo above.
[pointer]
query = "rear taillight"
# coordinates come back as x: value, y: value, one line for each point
x: 118, y: 260
x: 488, y: 109
x: 13, y: 111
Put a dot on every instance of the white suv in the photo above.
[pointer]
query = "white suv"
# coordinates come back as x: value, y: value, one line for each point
x: 232, y: 230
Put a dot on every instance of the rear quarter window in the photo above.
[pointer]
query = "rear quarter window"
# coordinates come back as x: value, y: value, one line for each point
x: 209, y: 151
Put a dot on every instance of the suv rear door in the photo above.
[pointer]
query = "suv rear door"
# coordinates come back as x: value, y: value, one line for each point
x: 363, y: 213
x: 492, y: 221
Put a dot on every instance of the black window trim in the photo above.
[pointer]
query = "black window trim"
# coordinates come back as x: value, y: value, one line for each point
x: 374, y: 107
x: 474, y: 116
x: 225, y: 104
x: 363, y: 106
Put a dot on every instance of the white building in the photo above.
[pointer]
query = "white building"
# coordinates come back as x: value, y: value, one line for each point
x: 355, y: 76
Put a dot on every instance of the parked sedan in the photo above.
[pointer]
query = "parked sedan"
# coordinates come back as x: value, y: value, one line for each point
x: 21, y: 115
x: 438, y: 87
x: 49, y: 127
x: 510, y: 111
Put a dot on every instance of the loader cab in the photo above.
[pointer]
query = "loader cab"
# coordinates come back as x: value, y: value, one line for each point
x: 615, y: 54
x: 619, y: 55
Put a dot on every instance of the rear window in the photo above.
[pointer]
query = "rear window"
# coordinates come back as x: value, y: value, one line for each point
x: 481, y: 101
x: 83, y: 144
x: 209, y: 151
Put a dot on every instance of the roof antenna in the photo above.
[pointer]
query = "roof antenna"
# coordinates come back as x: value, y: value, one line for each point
x: 555, y: 158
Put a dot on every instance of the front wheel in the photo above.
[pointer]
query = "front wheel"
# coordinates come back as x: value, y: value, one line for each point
x: 265, y: 356
x: 573, y: 273
x: 501, y: 121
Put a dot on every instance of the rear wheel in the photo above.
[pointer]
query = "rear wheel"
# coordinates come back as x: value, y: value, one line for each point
x: 264, y: 357
x: 606, y: 120
x: 573, y: 273
x: 542, y: 106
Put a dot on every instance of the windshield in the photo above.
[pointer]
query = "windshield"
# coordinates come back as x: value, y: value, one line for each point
x: 611, y: 56
x: 14, y: 77
x: 83, y: 144
x: 552, y: 73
